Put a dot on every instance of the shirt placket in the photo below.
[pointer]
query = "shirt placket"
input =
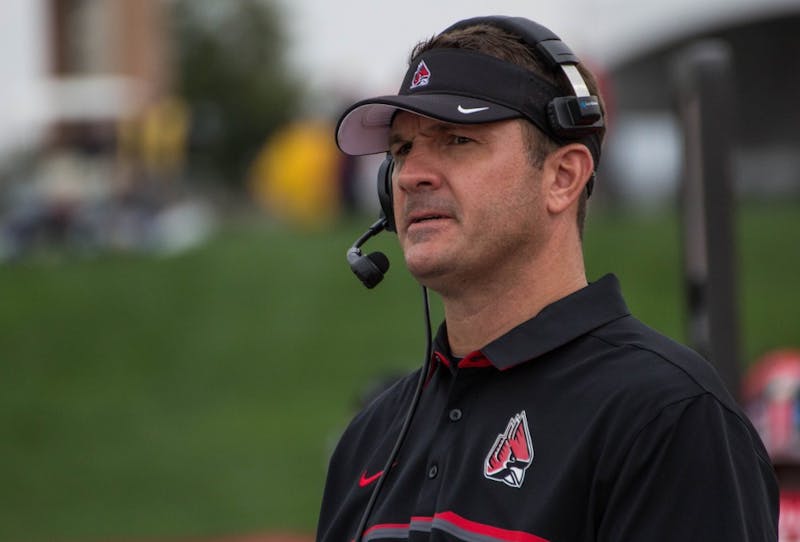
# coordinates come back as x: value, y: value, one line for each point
x: 450, y: 419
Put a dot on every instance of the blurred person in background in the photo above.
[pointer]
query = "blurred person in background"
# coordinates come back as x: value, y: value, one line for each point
x: 548, y: 412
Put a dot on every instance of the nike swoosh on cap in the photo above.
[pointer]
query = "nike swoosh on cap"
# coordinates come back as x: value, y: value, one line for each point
x: 471, y: 110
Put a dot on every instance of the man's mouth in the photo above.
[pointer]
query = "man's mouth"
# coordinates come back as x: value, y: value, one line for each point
x: 426, y: 218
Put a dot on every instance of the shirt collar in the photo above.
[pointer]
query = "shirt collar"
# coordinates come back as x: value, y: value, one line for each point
x: 556, y: 325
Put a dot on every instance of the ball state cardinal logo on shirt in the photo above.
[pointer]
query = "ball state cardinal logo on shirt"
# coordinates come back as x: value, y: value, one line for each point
x: 511, y: 454
x: 421, y: 76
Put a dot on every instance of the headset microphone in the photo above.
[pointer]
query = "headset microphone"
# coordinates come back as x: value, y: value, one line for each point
x: 371, y: 268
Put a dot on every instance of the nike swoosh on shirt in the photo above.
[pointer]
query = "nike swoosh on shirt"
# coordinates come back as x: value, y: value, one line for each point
x: 471, y: 110
x: 365, y: 480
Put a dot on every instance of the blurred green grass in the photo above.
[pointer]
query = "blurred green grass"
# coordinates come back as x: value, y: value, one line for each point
x: 201, y: 394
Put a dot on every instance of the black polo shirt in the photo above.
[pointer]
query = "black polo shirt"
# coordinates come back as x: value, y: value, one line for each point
x: 581, y: 424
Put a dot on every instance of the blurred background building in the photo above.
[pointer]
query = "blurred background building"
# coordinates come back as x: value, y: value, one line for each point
x: 96, y: 139
x: 644, y: 151
x: 76, y: 67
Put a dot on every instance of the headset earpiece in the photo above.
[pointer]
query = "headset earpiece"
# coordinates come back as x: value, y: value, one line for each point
x: 575, y: 116
x: 385, y: 192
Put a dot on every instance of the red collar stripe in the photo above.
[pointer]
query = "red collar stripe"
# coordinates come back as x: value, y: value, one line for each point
x: 441, y: 358
x: 474, y: 360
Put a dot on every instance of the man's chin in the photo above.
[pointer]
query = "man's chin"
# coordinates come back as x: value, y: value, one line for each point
x: 429, y: 272
x: 422, y: 265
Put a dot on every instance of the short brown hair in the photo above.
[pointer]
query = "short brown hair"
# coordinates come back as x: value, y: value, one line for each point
x: 493, y: 41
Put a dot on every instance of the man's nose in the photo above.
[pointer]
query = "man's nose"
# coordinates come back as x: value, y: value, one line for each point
x: 418, y: 170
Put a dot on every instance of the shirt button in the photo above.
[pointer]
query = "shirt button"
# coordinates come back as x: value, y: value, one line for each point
x: 455, y: 414
x: 433, y: 471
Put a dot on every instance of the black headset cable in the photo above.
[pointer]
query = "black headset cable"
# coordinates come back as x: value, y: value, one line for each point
x: 407, y: 423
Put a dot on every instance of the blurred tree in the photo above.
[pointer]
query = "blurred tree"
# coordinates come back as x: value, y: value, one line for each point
x: 232, y: 71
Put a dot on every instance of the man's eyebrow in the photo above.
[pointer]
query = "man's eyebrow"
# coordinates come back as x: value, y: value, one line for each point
x: 439, y: 127
x: 395, y: 138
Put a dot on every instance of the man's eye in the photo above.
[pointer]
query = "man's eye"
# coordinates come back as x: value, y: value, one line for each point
x: 401, y: 149
x: 461, y: 140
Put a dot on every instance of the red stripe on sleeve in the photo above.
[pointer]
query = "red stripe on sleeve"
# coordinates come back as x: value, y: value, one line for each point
x: 487, y: 530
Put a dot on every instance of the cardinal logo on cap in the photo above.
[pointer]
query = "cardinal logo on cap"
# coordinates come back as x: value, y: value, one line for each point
x: 422, y: 76
x: 511, y: 454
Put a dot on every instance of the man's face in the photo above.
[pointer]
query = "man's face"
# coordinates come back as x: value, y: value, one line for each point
x: 467, y: 201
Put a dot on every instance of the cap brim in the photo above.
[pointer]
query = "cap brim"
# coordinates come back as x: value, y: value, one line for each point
x: 364, y: 127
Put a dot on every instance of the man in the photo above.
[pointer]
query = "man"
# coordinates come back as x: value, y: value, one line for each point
x: 549, y: 412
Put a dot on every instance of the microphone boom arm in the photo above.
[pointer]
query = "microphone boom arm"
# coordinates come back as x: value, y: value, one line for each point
x: 371, y: 268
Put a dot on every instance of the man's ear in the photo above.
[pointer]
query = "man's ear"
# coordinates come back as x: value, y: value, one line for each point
x: 570, y: 168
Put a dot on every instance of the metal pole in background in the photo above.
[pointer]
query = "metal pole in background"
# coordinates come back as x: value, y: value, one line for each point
x: 706, y: 105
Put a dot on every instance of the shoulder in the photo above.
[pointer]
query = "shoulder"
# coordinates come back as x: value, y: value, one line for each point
x: 652, y: 362
x: 661, y: 380
x: 702, y: 461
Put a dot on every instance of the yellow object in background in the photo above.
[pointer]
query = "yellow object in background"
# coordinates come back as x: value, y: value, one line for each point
x: 296, y: 174
x: 155, y: 141
x: 164, y: 130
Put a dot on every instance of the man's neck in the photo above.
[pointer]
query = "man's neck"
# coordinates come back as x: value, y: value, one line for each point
x: 478, y: 315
